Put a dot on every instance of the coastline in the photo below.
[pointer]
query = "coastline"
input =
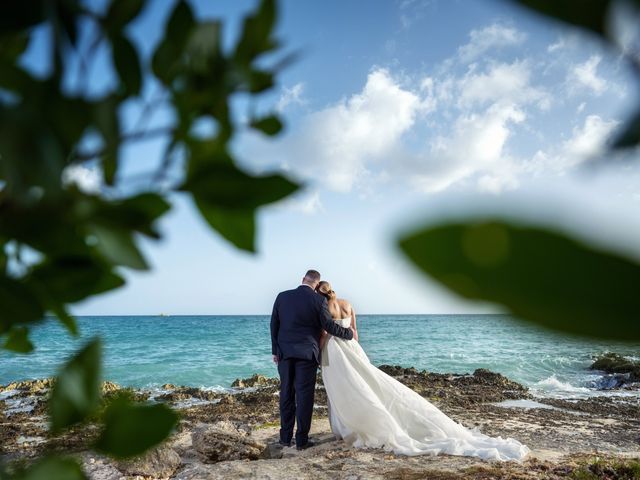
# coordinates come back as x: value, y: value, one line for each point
x: 234, y: 434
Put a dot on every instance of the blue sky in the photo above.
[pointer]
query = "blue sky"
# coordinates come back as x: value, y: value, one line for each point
x: 398, y: 113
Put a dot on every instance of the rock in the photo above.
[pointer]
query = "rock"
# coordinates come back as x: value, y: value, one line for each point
x: 29, y: 387
x: 611, y: 381
x: 110, y: 387
x: 101, y: 471
x: 227, y: 400
x: 161, y: 462
x: 256, y: 380
x: 614, y: 363
x: 225, y: 441
x: 179, y: 394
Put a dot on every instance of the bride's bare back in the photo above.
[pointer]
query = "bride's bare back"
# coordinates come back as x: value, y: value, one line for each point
x: 339, y: 308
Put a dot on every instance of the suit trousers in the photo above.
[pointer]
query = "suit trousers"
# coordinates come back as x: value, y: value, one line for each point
x: 297, y: 391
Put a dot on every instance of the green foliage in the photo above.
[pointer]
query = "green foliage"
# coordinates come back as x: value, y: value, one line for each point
x: 130, y: 429
x: 52, y: 468
x: 592, y: 14
x: 76, y: 393
x: 77, y: 241
x: 18, y: 340
x: 539, y: 275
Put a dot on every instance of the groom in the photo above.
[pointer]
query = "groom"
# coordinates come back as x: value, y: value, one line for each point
x: 298, y: 318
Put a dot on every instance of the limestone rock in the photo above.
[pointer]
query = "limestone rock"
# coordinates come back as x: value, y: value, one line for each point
x: 256, y: 380
x: 161, y: 462
x: 225, y: 441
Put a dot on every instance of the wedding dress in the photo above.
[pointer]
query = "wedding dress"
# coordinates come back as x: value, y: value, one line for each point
x: 368, y: 408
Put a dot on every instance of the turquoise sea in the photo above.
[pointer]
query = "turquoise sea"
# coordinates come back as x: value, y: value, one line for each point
x: 212, y: 351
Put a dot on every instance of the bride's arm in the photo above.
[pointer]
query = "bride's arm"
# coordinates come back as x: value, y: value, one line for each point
x: 324, y: 336
x: 353, y: 324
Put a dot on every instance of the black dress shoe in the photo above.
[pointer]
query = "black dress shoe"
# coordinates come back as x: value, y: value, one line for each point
x: 284, y: 444
x: 305, y: 446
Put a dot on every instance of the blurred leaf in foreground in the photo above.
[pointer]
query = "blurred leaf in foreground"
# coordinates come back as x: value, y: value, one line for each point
x: 76, y: 393
x: 131, y: 429
x: 52, y: 468
x: 538, y: 275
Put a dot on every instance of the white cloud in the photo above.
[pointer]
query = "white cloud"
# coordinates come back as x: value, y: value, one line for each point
x: 586, y: 141
x: 491, y: 37
x: 458, y: 126
x: 589, y: 139
x: 585, y: 75
x: 558, y: 45
x: 335, y: 144
x: 86, y: 179
x: 475, y: 146
x: 309, y: 204
x: 290, y: 96
x: 501, y: 82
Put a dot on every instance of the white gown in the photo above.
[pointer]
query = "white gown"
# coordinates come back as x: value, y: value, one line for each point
x: 368, y: 408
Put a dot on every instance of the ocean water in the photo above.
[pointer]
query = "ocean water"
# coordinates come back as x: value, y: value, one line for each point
x: 212, y: 351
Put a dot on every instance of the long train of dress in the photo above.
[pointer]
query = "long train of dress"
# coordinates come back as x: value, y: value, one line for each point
x: 368, y: 408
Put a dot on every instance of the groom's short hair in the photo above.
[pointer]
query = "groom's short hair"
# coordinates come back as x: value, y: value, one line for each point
x: 312, y: 276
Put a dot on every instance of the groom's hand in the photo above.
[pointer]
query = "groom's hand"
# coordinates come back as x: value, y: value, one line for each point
x: 275, y: 359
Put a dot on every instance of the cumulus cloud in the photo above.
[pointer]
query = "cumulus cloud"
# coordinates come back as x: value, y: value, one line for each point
x: 461, y: 125
x: 475, y: 146
x: 290, y: 96
x: 492, y: 37
x: 585, y: 76
x: 501, y: 82
x: 335, y: 144
x: 590, y: 138
x: 586, y: 141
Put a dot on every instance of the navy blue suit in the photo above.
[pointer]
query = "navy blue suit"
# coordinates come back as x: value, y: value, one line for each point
x: 297, y: 321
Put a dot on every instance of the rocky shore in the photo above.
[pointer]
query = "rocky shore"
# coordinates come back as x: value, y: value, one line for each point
x: 233, y: 434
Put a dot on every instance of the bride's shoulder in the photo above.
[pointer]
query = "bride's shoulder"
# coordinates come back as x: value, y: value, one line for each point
x: 343, y: 302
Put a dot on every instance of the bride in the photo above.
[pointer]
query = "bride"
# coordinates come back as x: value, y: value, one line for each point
x: 368, y: 408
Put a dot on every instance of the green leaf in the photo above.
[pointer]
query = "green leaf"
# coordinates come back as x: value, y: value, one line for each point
x: 118, y: 246
x: 53, y: 468
x: 76, y: 393
x: 69, y: 279
x: 125, y: 58
x: 539, y: 275
x: 121, y: 12
x: 630, y: 135
x: 237, y: 226
x: 223, y: 185
x: 67, y: 320
x: 21, y: 15
x: 18, y: 340
x: 19, y: 304
x: 166, y: 58
x: 138, y: 213
x: 132, y: 429
x: 180, y: 22
x: 13, y: 45
x: 260, y: 80
x: 255, y: 38
x: 105, y: 116
x: 270, y: 125
x: 588, y: 14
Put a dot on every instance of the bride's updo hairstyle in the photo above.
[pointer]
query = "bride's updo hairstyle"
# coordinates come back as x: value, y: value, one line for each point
x: 324, y: 289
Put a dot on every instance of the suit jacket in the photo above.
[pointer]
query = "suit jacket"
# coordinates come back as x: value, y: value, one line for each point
x: 297, y: 321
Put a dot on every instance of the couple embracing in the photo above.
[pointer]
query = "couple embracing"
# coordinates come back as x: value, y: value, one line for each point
x: 311, y: 327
